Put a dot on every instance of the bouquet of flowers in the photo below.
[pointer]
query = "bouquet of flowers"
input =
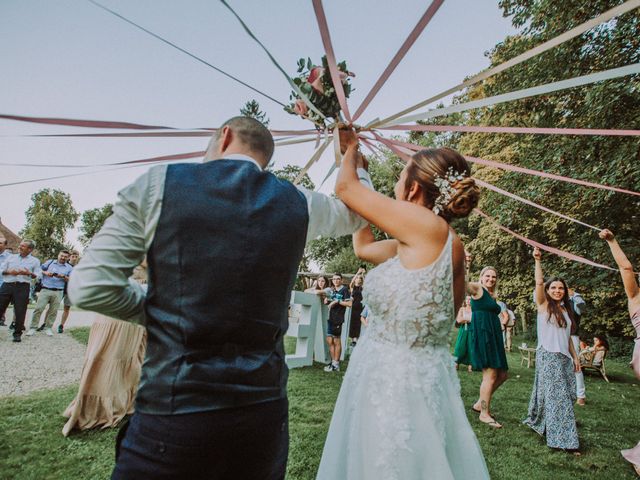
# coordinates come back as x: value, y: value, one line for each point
x: 315, y: 82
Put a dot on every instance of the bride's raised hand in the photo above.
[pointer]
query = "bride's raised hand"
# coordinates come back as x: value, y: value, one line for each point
x: 348, y: 139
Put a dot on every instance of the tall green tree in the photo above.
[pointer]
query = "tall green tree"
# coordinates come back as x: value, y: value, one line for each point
x: 608, y: 160
x: 91, y: 222
x: 336, y: 254
x: 49, y: 217
x: 290, y: 173
x: 252, y: 109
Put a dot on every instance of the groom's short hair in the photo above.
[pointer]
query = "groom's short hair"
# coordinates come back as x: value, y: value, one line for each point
x: 253, y: 134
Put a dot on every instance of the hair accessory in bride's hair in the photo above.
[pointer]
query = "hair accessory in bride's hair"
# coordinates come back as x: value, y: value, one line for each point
x: 445, y: 185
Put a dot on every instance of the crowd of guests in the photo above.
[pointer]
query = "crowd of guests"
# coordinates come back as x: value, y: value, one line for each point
x: 21, y: 274
x: 338, y: 297
x: 485, y: 326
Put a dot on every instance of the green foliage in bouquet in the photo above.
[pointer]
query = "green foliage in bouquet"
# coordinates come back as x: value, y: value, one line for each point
x: 315, y: 82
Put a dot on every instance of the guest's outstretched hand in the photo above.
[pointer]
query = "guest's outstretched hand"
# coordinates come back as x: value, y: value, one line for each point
x: 537, y: 254
x: 606, y: 234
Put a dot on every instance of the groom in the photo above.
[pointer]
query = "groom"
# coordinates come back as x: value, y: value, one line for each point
x: 223, y: 241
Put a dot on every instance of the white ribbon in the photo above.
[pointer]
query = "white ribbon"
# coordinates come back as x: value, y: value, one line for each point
x: 314, y: 158
x: 525, y: 93
x: 548, y: 45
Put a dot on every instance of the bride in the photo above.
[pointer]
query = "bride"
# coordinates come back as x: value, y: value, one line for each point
x: 399, y: 414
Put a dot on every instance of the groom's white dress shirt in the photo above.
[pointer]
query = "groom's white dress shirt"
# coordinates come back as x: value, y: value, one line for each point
x: 100, y: 281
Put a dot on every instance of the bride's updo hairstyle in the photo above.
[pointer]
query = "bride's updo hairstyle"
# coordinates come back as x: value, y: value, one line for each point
x: 445, y: 178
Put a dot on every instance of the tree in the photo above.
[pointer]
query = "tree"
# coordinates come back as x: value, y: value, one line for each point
x: 252, y: 109
x: 608, y: 160
x: 290, y: 173
x: 91, y: 222
x: 48, y: 219
x: 336, y: 254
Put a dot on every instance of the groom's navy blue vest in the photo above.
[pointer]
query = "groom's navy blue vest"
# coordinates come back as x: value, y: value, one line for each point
x: 222, y: 264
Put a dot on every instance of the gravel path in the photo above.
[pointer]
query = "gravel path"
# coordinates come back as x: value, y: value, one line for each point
x: 38, y: 362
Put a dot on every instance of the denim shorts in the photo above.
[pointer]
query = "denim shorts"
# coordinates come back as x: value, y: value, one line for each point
x: 334, y: 329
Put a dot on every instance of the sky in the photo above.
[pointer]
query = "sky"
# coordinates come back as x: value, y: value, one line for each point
x: 71, y: 59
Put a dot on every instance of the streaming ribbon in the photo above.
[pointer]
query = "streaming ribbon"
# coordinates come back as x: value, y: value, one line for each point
x: 274, y: 61
x: 543, y: 47
x: 22, y: 182
x: 514, y: 168
x: 541, y: 246
x: 499, y: 190
x: 186, y: 52
x: 516, y: 130
x: 524, y: 93
x: 314, y: 158
x: 331, y: 58
x: 408, y: 43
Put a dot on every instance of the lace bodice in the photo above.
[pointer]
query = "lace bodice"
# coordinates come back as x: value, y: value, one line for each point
x: 414, y: 308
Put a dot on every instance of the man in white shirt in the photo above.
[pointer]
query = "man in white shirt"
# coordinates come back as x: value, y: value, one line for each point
x: 4, y: 254
x: 215, y: 352
x: 17, y: 272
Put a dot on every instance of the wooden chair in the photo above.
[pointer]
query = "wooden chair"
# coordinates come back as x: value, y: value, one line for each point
x: 527, y: 355
x: 587, y: 364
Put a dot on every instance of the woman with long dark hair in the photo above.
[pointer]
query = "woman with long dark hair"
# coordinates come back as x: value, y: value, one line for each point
x: 356, y: 307
x: 554, y: 389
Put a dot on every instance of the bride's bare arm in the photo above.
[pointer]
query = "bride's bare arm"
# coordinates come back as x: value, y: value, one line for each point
x: 366, y: 247
x: 407, y: 222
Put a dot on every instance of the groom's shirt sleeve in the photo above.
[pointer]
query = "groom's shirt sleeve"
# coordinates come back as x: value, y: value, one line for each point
x: 100, y: 282
x: 329, y: 217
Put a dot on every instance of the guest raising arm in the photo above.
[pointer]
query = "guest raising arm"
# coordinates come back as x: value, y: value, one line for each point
x: 551, y: 411
x: 632, y: 290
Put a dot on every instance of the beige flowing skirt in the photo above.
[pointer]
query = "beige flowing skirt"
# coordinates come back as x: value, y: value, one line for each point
x: 110, y: 375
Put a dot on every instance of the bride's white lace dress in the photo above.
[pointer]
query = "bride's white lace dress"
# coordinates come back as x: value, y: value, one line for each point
x: 399, y: 415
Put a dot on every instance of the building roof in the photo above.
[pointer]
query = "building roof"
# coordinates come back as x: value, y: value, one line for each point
x: 13, y: 240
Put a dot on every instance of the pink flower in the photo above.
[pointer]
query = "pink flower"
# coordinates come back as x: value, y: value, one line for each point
x: 300, y: 108
x: 315, y: 79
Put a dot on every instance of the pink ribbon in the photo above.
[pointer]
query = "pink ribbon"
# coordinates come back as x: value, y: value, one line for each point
x: 499, y: 190
x: 331, y: 59
x: 83, y: 123
x: 541, y: 246
x: 528, y: 171
x: 163, y: 158
x: 408, y: 43
x: 525, y: 130
x: 68, y: 175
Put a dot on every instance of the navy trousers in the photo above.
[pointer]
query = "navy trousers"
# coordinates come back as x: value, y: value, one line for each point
x: 245, y: 443
x: 18, y: 293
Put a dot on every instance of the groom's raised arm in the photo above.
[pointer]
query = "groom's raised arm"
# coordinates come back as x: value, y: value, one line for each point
x: 329, y: 217
x: 100, y: 282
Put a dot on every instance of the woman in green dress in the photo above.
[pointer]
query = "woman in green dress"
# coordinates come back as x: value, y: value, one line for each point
x: 462, y: 350
x: 487, y: 345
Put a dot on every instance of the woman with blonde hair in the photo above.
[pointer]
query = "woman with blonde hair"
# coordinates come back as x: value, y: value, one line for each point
x: 487, y: 345
x: 399, y: 414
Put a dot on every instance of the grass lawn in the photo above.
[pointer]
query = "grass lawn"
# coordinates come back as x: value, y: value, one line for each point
x: 32, y: 445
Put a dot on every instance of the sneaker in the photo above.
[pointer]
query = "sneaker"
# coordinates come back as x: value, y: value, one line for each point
x: 336, y: 367
x: 30, y: 333
x: 60, y: 329
x: 16, y: 338
x: 41, y: 327
x: 49, y: 332
x: 12, y: 326
x: 329, y: 368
